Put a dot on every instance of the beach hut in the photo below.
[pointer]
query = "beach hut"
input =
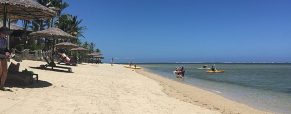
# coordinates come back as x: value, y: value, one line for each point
x: 17, y: 36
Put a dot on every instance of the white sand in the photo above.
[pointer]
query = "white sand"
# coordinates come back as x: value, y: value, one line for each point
x: 100, y: 89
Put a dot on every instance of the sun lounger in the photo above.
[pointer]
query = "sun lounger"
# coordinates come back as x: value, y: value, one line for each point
x: 72, y: 62
x: 52, y: 65
x: 23, y: 77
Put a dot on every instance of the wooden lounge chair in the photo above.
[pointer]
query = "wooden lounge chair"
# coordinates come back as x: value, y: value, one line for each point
x: 53, y: 65
x: 23, y: 77
x: 72, y: 62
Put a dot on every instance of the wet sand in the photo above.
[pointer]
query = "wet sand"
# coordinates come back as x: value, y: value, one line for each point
x: 200, y: 97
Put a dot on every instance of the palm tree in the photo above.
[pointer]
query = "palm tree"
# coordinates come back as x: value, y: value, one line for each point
x: 71, y: 24
x: 91, y: 47
x: 56, y: 5
x: 98, y: 50
x: 85, y: 45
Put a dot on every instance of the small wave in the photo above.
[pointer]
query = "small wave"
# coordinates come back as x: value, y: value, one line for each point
x: 216, y: 91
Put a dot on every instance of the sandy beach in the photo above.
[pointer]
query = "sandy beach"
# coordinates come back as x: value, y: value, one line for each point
x: 92, y: 88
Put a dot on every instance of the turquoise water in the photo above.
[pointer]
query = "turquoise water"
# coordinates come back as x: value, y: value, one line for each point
x: 263, y: 86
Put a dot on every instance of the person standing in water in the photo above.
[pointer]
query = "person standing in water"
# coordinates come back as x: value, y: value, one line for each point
x: 213, y: 68
x: 112, y: 61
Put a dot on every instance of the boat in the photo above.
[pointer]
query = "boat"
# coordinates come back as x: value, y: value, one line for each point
x: 215, y: 71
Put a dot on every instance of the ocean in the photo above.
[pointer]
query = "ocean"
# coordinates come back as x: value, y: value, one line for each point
x: 263, y: 86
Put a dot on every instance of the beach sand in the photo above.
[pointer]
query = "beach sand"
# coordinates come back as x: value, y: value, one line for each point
x: 92, y: 88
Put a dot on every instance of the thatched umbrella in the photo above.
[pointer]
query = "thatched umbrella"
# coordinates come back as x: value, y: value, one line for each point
x: 24, y: 9
x: 79, y: 49
x: 52, y: 33
x: 66, y: 45
x: 94, y: 54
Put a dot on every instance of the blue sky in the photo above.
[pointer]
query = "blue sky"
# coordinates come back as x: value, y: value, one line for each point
x: 188, y: 30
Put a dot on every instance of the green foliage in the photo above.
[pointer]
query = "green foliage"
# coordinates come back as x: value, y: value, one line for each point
x: 67, y: 22
x: 34, y: 46
x: 19, y: 47
x: 71, y: 24
x: 98, y: 50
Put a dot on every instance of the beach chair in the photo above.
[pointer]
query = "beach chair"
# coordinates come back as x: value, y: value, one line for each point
x: 24, y: 77
x: 53, y: 65
x: 72, y: 62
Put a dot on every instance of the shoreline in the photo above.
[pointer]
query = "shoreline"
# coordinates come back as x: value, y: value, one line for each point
x: 197, y: 96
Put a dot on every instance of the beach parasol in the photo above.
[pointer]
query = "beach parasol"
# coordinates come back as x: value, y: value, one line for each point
x: 79, y: 49
x: 99, y: 56
x: 52, y: 33
x: 94, y: 54
x: 66, y: 45
x: 24, y: 9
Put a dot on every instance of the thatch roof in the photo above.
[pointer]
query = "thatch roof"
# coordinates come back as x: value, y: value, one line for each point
x: 79, y: 49
x: 99, y: 56
x: 95, y: 54
x: 53, y: 33
x: 13, y: 26
x: 25, y: 9
x: 66, y: 45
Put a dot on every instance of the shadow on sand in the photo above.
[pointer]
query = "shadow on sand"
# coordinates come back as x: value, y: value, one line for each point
x: 49, y: 69
x: 39, y: 84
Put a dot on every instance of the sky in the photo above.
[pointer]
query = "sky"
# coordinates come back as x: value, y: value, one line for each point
x: 187, y: 30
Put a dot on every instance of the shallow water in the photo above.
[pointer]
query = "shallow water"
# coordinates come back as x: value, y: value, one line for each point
x: 263, y: 86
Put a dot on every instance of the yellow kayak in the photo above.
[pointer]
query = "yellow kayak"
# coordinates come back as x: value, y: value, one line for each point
x: 216, y: 71
x: 132, y: 67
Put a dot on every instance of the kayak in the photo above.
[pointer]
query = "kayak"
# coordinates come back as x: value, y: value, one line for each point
x: 216, y: 71
x: 132, y: 67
